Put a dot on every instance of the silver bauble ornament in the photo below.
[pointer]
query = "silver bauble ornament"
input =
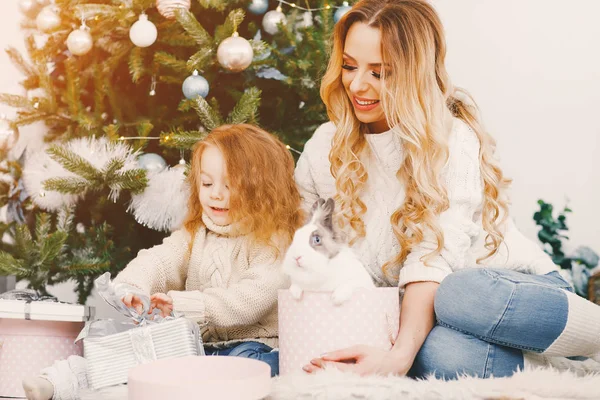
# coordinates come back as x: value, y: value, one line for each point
x: 272, y: 19
x: 258, y: 7
x: 235, y: 53
x: 339, y: 13
x: 167, y: 8
x: 48, y: 19
x: 151, y: 162
x: 143, y: 33
x: 80, y: 41
x: 194, y: 86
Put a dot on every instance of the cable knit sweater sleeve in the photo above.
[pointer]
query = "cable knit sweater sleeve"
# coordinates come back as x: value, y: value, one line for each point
x: 464, y: 186
x: 160, y: 268
x: 315, y: 153
x: 246, y: 301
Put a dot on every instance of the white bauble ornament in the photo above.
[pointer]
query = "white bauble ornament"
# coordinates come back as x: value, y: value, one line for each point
x: 143, y: 33
x: 235, y: 53
x: 272, y: 19
x: 80, y: 41
x: 27, y: 6
x: 48, y: 19
x: 167, y: 8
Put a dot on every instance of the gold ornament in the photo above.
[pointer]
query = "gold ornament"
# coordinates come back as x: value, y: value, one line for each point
x: 167, y: 8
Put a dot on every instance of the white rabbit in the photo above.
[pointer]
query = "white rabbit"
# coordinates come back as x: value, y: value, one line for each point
x: 318, y: 261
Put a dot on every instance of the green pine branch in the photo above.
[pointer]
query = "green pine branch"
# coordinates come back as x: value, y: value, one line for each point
x: 201, y: 59
x: 16, y: 101
x: 74, y: 163
x: 191, y: 25
x: 134, y: 180
x: 72, y: 95
x: 246, y: 110
x: 233, y: 20
x: 209, y: 118
x: 19, y: 62
x: 136, y: 64
x: 67, y: 185
x: 170, y: 61
x: 51, y: 247
x: 181, y: 139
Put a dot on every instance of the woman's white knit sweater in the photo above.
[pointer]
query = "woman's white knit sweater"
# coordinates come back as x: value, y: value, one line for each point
x: 228, y: 284
x: 464, y: 237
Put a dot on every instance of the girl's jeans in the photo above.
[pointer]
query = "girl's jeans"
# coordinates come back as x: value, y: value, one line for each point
x: 487, y: 317
x: 255, y: 350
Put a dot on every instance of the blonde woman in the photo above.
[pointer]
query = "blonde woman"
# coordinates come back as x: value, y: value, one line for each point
x: 424, y: 203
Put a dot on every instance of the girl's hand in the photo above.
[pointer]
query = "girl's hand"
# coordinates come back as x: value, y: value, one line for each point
x: 131, y: 300
x: 163, y: 302
x: 363, y: 360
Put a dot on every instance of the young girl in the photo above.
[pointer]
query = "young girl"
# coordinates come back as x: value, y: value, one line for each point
x: 222, y: 269
x: 425, y: 202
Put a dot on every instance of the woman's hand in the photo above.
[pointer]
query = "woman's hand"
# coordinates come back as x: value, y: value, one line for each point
x: 363, y: 360
x: 163, y: 302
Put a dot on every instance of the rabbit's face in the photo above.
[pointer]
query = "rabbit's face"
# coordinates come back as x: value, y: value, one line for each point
x: 315, y: 243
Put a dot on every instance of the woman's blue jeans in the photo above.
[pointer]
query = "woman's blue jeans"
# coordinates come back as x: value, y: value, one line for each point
x: 487, y: 317
x: 255, y: 350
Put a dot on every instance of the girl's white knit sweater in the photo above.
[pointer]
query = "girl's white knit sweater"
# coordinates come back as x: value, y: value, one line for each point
x: 228, y: 284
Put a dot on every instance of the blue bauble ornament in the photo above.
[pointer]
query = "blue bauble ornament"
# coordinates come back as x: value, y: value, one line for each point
x: 151, y: 162
x: 194, y: 86
x: 339, y: 13
x: 258, y: 7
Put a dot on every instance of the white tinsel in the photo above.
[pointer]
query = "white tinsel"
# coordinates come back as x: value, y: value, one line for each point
x: 39, y: 167
x: 163, y: 204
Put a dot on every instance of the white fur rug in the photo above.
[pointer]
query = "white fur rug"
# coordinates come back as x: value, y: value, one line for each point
x: 540, y: 384
x: 530, y: 384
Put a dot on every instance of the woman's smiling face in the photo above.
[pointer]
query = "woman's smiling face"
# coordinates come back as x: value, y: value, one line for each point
x: 361, y: 75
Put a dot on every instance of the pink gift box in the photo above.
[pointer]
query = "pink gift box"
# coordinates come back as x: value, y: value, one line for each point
x: 313, y: 325
x: 200, y: 377
x: 33, y: 336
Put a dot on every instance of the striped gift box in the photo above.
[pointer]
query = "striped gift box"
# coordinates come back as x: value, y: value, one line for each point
x: 109, y: 358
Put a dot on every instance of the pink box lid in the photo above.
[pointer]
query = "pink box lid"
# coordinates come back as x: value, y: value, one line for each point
x: 206, y: 377
x: 45, y: 311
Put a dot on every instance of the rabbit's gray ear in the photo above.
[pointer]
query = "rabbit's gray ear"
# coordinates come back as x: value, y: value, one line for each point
x: 317, y: 205
x: 327, y: 214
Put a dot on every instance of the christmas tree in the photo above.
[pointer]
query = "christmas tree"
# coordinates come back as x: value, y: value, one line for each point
x: 125, y: 88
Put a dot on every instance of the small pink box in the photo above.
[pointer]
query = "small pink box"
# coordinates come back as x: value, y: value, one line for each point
x: 200, y: 377
x: 313, y: 325
x: 33, y: 336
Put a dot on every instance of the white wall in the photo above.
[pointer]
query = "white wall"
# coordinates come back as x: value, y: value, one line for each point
x: 534, y: 68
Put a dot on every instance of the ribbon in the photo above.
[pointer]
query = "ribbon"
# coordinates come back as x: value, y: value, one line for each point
x: 142, y: 345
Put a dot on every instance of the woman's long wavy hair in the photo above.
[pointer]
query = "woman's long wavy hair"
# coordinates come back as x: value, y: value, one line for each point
x: 416, y: 95
x: 264, y: 198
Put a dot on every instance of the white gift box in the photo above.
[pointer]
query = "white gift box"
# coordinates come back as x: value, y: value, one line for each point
x: 109, y: 358
x: 33, y: 335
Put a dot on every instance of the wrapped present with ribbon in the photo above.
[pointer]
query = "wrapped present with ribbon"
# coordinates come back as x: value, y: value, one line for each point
x: 35, y: 331
x: 112, y: 348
